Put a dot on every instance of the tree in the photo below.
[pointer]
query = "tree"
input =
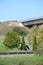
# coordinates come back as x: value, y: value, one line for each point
x: 40, y: 35
x: 23, y: 43
x: 20, y: 31
x: 39, y: 38
x: 33, y: 30
x: 34, y: 44
x: 11, y: 40
x: 31, y: 34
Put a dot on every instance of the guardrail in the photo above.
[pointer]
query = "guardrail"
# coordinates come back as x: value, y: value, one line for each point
x: 14, y: 53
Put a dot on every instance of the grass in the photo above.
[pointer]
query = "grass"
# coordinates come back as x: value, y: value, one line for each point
x: 21, y: 60
x: 2, y: 47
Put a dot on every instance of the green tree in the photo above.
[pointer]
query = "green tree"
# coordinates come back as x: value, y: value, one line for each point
x: 39, y: 38
x: 32, y: 33
x: 40, y: 35
x: 23, y: 43
x: 11, y: 39
x: 34, y: 44
x: 20, y: 31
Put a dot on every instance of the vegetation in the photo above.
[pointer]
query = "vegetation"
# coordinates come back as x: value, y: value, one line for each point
x: 11, y: 40
x: 21, y: 60
x: 36, y: 31
x: 34, y: 44
x: 23, y: 43
x: 20, y: 31
x: 5, y: 49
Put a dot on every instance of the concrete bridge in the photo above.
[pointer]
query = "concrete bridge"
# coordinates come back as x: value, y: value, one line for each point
x: 32, y: 22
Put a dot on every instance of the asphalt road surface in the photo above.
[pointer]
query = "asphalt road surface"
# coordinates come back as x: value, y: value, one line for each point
x: 15, y: 53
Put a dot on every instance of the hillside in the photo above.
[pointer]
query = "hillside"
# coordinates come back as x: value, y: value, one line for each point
x: 9, y: 25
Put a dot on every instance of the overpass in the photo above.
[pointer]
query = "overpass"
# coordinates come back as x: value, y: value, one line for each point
x: 32, y: 22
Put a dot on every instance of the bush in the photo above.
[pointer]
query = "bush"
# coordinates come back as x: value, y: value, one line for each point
x: 11, y: 40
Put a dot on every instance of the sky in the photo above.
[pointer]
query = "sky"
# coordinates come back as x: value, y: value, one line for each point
x: 20, y: 9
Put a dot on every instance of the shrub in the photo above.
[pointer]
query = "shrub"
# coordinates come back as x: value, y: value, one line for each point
x: 11, y: 40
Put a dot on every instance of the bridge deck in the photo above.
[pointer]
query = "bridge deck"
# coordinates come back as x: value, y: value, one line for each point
x: 32, y: 22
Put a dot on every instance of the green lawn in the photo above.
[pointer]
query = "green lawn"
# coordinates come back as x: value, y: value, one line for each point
x: 21, y: 60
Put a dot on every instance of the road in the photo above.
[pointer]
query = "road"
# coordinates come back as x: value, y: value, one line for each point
x: 15, y: 53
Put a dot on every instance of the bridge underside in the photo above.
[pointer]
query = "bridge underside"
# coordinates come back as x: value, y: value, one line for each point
x: 31, y: 23
x: 30, y: 26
